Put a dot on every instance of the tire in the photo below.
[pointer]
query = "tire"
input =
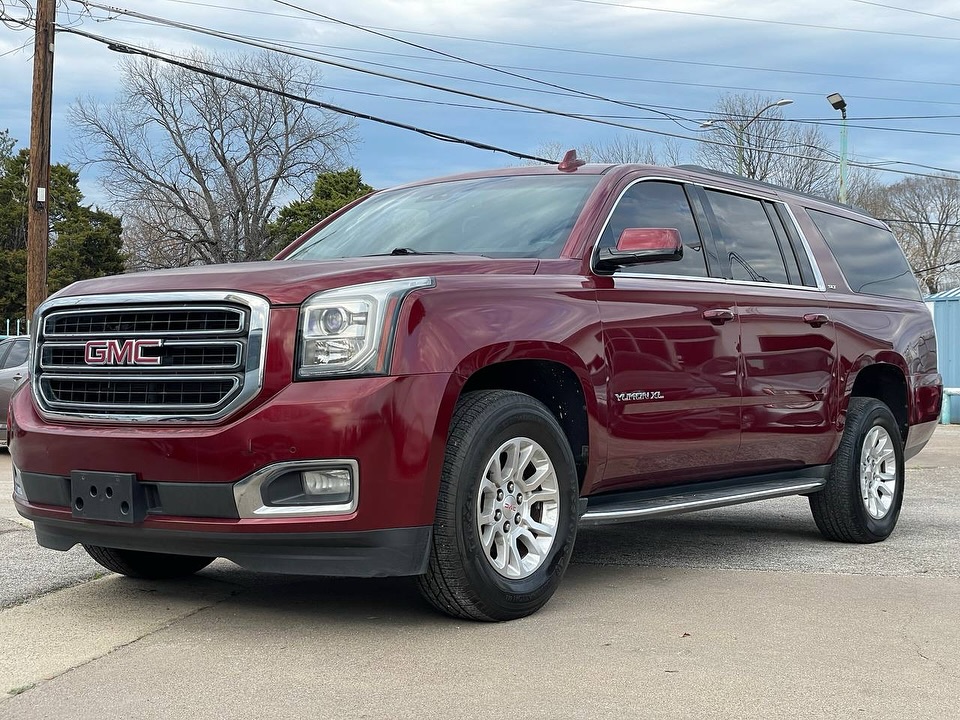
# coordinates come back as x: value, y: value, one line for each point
x: 147, y: 565
x: 861, y: 501
x: 484, y: 564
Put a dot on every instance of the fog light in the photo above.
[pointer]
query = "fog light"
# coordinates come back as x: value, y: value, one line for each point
x: 334, y: 484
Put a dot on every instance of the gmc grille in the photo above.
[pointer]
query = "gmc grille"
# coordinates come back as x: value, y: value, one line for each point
x: 173, y: 356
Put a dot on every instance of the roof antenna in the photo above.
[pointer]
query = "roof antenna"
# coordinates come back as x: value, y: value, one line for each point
x: 570, y: 162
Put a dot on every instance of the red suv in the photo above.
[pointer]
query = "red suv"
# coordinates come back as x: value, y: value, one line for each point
x: 448, y: 378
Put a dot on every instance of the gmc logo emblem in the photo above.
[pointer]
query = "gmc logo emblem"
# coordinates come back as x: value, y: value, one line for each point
x: 120, y: 352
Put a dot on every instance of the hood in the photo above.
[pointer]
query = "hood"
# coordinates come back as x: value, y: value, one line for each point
x: 290, y: 282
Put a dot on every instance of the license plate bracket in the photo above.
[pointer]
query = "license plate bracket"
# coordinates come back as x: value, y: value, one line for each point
x: 114, y: 497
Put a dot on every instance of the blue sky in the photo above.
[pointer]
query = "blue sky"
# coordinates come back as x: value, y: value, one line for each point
x: 894, y: 61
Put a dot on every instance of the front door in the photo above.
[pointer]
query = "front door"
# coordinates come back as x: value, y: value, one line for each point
x: 670, y: 336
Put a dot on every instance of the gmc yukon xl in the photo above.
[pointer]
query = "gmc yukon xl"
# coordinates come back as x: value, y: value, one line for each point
x: 447, y: 379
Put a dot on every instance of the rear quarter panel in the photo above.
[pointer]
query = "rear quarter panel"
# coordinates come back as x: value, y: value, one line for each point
x: 876, y: 329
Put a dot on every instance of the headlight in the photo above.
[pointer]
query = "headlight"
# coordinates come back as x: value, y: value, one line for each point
x: 350, y: 330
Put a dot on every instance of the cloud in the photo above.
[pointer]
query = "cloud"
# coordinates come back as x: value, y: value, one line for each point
x: 679, y: 61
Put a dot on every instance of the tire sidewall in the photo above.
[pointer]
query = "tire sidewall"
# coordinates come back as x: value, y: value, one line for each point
x: 877, y: 416
x: 504, y: 595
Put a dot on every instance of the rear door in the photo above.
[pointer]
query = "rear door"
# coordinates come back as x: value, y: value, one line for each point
x: 788, y: 340
x: 670, y: 335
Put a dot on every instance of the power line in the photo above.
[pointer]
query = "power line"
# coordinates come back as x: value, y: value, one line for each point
x: 785, y: 23
x: 937, y: 267
x: 920, y: 222
x: 558, y: 113
x: 245, y: 40
x: 671, y: 116
x: 906, y: 10
x: 699, y: 111
x: 474, y: 63
x: 644, y: 80
x: 120, y: 47
x: 17, y: 49
x: 300, y: 45
x: 619, y: 56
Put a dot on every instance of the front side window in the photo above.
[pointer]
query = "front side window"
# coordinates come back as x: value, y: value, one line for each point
x: 749, y: 239
x: 511, y: 216
x: 655, y: 204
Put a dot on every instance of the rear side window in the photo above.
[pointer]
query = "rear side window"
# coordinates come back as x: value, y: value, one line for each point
x: 655, y: 204
x: 750, y: 242
x: 871, y: 260
x: 18, y: 354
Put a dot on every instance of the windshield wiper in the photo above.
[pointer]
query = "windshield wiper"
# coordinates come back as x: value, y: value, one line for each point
x: 414, y: 251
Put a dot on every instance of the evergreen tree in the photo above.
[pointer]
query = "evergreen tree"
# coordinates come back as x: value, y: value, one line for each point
x: 331, y: 191
x: 85, y: 242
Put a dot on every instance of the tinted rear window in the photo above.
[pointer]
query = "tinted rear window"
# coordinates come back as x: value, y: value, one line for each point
x: 871, y: 260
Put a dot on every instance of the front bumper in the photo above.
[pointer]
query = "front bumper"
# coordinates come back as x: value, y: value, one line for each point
x: 371, y: 553
x: 393, y: 428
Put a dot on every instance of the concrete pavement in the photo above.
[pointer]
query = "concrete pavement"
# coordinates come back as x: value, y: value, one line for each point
x: 739, y: 612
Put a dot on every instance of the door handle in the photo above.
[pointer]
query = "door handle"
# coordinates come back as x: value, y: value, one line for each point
x: 18, y: 377
x: 816, y: 319
x: 718, y: 316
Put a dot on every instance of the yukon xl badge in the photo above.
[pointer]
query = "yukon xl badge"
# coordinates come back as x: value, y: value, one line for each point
x: 121, y: 352
x: 639, y: 395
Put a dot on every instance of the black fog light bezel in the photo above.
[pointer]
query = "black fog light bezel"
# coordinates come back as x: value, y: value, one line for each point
x: 288, y: 489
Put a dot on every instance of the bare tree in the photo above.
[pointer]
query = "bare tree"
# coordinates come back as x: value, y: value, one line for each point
x: 924, y: 213
x: 196, y: 164
x: 756, y: 142
x: 621, y: 149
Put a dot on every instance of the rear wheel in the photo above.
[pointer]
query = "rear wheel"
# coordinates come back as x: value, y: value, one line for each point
x: 861, y: 501
x: 147, y: 565
x: 507, y: 510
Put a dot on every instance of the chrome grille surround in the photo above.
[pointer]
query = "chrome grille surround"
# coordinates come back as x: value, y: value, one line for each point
x: 211, y: 360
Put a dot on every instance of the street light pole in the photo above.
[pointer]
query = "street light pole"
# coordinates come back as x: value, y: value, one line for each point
x: 741, y: 130
x: 838, y: 103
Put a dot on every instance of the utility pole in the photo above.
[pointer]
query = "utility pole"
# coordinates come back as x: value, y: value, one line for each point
x: 38, y: 192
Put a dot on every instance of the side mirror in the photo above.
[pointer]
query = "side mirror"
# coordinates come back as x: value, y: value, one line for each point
x: 642, y: 245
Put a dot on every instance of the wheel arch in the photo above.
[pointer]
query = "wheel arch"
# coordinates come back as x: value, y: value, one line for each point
x: 552, y: 383
x: 886, y: 382
x: 551, y: 373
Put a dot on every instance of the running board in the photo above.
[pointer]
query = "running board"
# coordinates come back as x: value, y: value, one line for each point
x: 604, y: 510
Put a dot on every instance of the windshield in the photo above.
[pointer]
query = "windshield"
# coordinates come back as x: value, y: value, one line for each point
x: 515, y: 216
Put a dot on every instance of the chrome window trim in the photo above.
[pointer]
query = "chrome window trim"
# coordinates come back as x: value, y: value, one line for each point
x: 719, y: 281
x: 652, y: 276
x: 821, y: 285
x: 613, y: 209
x: 771, y: 197
x: 252, y: 382
x: 249, y: 499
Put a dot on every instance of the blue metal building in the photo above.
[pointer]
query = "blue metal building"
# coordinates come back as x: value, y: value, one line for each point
x: 945, y: 307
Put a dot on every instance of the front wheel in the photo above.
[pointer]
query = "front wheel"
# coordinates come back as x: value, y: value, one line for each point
x: 862, y: 498
x: 507, y: 509
x: 147, y: 565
